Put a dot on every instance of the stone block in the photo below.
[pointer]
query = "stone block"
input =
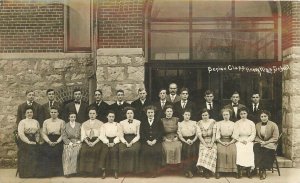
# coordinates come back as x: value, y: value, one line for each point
x: 285, y: 102
x: 288, y: 122
x: 296, y: 121
x: 139, y: 60
x: 18, y: 65
x: 100, y: 74
x: 125, y: 60
x: 128, y: 90
x: 54, y: 77
x: 106, y: 90
x: 107, y: 60
x: 2, y: 64
x: 295, y: 69
x: 115, y: 73
x: 41, y: 85
x: 136, y: 73
x: 76, y: 76
x: 294, y: 103
x: 56, y: 85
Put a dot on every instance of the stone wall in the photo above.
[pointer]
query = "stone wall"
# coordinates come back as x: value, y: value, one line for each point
x: 291, y: 106
x: 38, y: 72
x: 120, y: 68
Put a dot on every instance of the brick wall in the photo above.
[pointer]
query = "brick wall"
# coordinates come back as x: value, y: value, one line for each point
x: 287, y: 37
x: 31, y: 26
x: 121, y: 23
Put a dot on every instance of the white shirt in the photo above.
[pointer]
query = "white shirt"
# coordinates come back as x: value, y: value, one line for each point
x: 253, y: 106
x: 150, y: 121
x: 163, y: 103
x: 235, y: 109
x: 209, y: 107
x: 183, y: 103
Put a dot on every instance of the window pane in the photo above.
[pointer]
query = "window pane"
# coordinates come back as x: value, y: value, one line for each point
x: 179, y: 26
x: 212, y: 45
x: 221, y: 25
x: 231, y: 83
x: 170, y: 9
x: 169, y: 46
x: 79, y: 25
x: 263, y: 84
x: 253, y: 9
x: 254, y: 45
x: 212, y: 8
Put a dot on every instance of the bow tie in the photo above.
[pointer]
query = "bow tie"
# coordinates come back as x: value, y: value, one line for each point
x: 130, y: 121
x: 264, y: 124
x: 77, y: 102
x: 30, y: 103
x: 235, y: 105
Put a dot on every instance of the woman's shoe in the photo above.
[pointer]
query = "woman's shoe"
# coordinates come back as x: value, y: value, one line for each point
x: 188, y: 174
x: 263, y: 175
x: 116, y: 175
x: 217, y: 175
x: 103, y: 175
x: 239, y: 173
x: 249, y: 175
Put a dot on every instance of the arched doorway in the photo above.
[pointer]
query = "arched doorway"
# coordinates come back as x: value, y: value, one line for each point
x: 186, y: 38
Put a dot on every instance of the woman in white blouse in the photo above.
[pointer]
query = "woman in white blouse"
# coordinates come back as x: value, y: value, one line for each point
x: 89, y: 157
x: 244, y: 133
x: 109, y: 135
x: 51, y: 151
x: 29, y: 134
x: 129, y: 147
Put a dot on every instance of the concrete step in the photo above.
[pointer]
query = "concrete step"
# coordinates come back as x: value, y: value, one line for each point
x: 284, y: 162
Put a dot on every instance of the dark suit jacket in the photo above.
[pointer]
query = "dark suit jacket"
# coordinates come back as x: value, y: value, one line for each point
x: 234, y: 117
x: 177, y: 98
x: 46, y: 109
x: 214, y: 113
x: 178, y: 110
x: 102, y: 110
x: 38, y: 113
x: 271, y: 134
x: 119, y: 110
x: 82, y: 114
x: 139, y: 113
x: 254, y: 115
x: 159, y: 113
x: 155, y: 131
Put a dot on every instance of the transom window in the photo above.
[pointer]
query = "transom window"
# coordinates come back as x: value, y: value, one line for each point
x: 212, y: 30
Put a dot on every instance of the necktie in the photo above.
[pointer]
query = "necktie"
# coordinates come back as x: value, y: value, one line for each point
x: 210, y: 106
x: 77, y: 102
x: 183, y: 104
x: 162, y: 104
x: 130, y: 121
x: 255, y: 107
x: 235, y: 105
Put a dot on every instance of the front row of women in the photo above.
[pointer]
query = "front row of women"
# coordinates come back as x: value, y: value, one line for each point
x: 132, y: 146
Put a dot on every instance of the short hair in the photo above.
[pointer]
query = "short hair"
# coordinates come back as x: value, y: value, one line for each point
x: 76, y: 90
x: 98, y: 90
x: 173, y: 84
x: 49, y: 90
x: 28, y: 108
x: 208, y: 92
x: 141, y: 89
x: 28, y: 91
x: 235, y: 92
x: 265, y: 112
x: 120, y: 90
x: 244, y: 109
x: 149, y: 107
x: 161, y: 89
x: 226, y: 110
x: 92, y: 108
x: 54, y: 107
x: 168, y: 107
x: 255, y: 93
x: 184, y: 89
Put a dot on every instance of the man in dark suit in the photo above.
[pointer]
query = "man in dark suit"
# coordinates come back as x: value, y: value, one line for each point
x: 184, y: 104
x: 78, y: 106
x: 173, y: 97
x: 255, y: 108
x: 119, y: 105
x: 235, y: 106
x: 51, y: 103
x: 212, y: 106
x: 37, y: 108
x: 140, y: 103
x: 159, y: 105
x: 101, y: 106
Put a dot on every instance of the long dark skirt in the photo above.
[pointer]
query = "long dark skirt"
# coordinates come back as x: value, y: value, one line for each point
x: 129, y: 156
x: 109, y: 158
x: 189, y: 154
x: 50, y: 164
x: 28, y: 157
x: 226, y: 157
x: 263, y: 157
x: 150, y: 157
x: 89, y: 158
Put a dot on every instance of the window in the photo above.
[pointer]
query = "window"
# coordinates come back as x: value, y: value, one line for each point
x: 78, y: 25
x: 197, y: 30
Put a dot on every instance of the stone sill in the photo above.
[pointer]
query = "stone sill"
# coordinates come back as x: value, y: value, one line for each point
x: 284, y: 162
x: 43, y: 55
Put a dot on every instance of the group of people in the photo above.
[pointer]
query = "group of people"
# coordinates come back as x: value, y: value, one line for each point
x: 144, y: 137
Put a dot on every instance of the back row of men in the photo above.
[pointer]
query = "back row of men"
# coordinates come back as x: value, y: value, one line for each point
x: 179, y: 103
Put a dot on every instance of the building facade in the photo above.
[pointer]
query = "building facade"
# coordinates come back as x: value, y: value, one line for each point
x: 127, y: 44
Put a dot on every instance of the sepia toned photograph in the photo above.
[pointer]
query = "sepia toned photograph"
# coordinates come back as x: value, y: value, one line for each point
x: 131, y: 91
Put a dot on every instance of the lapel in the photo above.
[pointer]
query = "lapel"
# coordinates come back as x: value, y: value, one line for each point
x: 73, y: 108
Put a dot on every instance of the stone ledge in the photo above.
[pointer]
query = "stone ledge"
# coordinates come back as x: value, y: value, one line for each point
x: 43, y: 55
x: 120, y: 51
x: 284, y: 162
x: 291, y: 53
